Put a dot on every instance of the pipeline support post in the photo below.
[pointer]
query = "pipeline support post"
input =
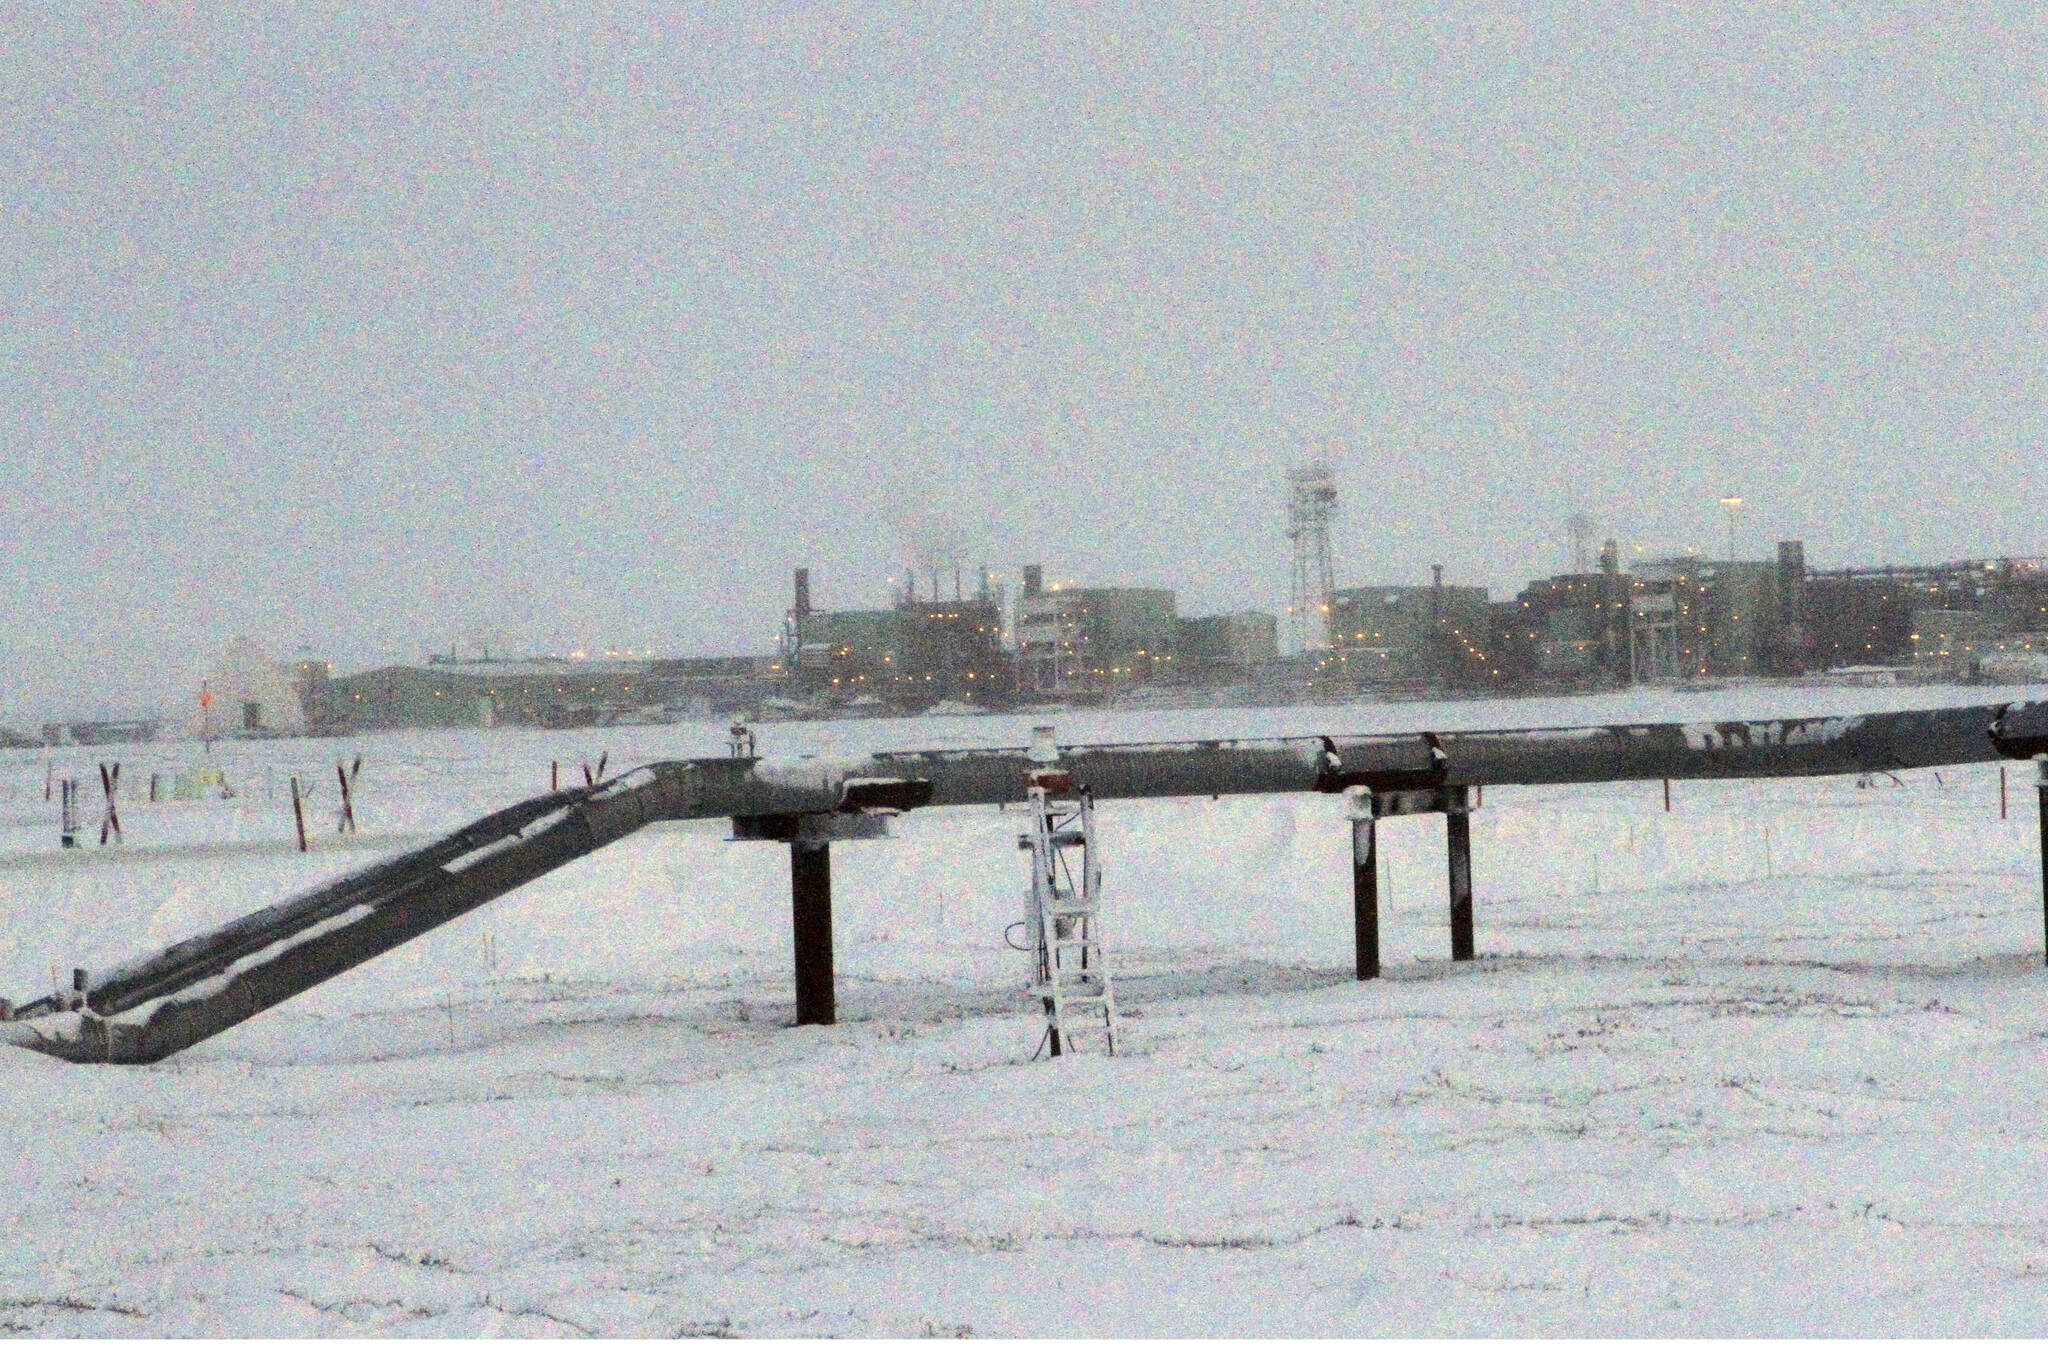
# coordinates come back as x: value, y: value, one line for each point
x: 810, y: 902
x: 1367, y: 805
x: 2021, y: 732
x: 1458, y: 843
x: 2041, y: 786
x: 810, y: 837
x: 1365, y: 882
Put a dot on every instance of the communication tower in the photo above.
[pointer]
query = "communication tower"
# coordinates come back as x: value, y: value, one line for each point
x: 1311, y: 504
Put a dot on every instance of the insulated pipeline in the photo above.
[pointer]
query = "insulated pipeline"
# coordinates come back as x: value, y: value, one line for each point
x: 1808, y: 747
x: 165, y: 1001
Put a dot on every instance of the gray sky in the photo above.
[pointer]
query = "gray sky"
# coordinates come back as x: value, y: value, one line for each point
x: 378, y: 335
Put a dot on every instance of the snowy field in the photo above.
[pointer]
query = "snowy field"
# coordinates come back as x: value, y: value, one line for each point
x: 1775, y: 1062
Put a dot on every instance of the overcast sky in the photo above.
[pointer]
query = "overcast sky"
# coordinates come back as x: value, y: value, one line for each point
x: 383, y: 334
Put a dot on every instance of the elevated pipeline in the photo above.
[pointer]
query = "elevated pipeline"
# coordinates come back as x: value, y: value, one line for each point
x: 166, y: 1001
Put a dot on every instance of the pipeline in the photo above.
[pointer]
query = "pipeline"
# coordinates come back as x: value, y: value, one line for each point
x: 197, y: 988
x: 160, y: 1004
x: 1811, y: 747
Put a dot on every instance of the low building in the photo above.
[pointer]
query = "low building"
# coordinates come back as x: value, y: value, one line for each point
x: 712, y: 685
x: 97, y: 732
x: 459, y: 693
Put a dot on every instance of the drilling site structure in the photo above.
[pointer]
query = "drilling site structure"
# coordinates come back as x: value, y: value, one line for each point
x: 1311, y: 506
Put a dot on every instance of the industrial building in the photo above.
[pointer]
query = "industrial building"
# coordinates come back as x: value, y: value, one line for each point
x: 1572, y: 630
x: 1696, y: 618
x: 1676, y: 620
x: 1945, y: 619
x: 553, y: 692
x: 1406, y: 634
x: 952, y: 651
x: 915, y: 654
x: 248, y: 695
x: 1073, y: 643
x: 847, y: 653
x: 448, y: 691
x: 712, y: 685
x: 57, y: 733
x: 1086, y: 643
x: 1220, y: 651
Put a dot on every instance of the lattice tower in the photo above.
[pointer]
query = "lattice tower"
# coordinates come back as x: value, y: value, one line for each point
x: 1311, y: 506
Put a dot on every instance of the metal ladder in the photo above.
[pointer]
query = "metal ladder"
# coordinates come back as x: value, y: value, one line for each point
x: 1071, y: 976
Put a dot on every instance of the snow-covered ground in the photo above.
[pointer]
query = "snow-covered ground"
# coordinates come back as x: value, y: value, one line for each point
x: 1772, y: 1063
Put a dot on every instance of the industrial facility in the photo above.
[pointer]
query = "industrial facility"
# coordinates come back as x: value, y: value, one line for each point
x: 1672, y: 620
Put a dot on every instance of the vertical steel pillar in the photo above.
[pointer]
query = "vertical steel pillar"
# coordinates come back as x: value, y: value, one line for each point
x: 1458, y: 820
x: 1365, y: 886
x: 810, y: 900
x: 2041, y: 784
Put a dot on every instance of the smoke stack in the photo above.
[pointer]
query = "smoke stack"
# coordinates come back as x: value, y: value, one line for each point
x: 803, y: 592
x: 1034, y: 579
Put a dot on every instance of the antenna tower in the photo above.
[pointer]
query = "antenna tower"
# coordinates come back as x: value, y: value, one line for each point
x: 1311, y: 504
